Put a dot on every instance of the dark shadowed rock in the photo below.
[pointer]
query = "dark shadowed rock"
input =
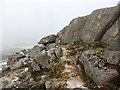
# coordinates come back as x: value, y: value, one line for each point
x: 95, y: 68
x: 48, y: 39
x: 42, y: 59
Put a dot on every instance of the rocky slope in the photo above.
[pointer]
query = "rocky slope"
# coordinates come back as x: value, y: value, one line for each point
x: 84, y: 54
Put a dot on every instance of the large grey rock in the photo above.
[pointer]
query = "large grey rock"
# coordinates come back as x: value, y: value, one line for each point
x: 36, y: 50
x: 17, y: 65
x: 35, y: 66
x: 95, y: 68
x: 39, y: 56
x: 112, y: 57
x: 87, y: 28
x: 48, y: 39
x: 96, y: 22
x: 58, y: 52
x: 71, y: 33
x: 42, y: 59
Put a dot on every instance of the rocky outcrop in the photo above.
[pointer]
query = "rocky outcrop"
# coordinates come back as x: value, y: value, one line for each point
x: 58, y: 52
x: 96, y: 69
x: 109, y: 24
x: 87, y: 28
x: 72, y: 58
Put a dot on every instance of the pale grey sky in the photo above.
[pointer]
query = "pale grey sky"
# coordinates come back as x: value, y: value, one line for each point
x: 25, y: 22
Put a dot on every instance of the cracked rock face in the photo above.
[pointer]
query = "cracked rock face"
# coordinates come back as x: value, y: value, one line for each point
x: 86, y: 28
x: 95, y: 68
x: 71, y: 33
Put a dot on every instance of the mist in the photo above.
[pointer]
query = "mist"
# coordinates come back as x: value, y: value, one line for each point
x: 24, y: 22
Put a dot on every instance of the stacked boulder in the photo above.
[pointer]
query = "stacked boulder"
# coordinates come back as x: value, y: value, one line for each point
x: 45, y: 52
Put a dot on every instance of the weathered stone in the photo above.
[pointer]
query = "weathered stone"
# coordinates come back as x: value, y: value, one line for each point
x: 112, y: 57
x: 17, y: 65
x: 96, y: 21
x: 41, y: 58
x: 51, y: 45
x: 35, y: 66
x: 87, y: 28
x: 36, y: 50
x: 95, y: 68
x: 71, y: 33
x: 55, y: 53
x: 47, y: 39
x: 58, y: 52
x: 51, y: 54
